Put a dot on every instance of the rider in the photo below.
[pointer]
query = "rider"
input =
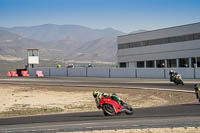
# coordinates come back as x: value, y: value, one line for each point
x: 172, y: 75
x: 98, y: 95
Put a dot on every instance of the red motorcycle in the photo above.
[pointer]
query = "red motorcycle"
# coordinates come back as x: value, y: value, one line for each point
x: 111, y: 107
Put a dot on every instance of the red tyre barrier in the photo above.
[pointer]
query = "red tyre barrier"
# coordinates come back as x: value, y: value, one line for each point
x: 39, y: 73
x: 25, y: 73
x: 8, y: 74
x: 13, y: 73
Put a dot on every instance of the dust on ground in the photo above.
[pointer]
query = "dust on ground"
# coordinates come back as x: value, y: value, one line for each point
x: 20, y: 100
x: 150, y: 130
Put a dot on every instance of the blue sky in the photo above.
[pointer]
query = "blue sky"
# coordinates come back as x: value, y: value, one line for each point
x: 123, y: 15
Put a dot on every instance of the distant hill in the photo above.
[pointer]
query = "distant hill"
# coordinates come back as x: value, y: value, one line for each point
x: 100, y: 49
x: 137, y: 31
x: 60, y: 42
x: 16, y: 45
x: 52, y: 32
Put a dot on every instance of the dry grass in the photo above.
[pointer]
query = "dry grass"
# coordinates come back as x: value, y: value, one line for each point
x: 19, y: 100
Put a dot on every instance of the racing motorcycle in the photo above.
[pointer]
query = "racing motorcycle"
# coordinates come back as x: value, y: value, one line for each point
x: 111, y: 107
x: 197, y: 91
x: 176, y: 78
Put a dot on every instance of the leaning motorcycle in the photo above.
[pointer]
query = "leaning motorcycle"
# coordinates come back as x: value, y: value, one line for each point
x: 178, y: 79
x: 197, y: 91
x: 111, y: 107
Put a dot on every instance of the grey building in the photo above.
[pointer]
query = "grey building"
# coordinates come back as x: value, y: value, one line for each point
x: 172, y: 47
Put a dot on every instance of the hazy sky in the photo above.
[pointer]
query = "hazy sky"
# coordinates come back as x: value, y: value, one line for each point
x: 124, y: 15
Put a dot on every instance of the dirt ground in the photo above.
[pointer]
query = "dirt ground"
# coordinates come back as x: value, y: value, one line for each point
x: 151, y: 130
x: 20, y: 100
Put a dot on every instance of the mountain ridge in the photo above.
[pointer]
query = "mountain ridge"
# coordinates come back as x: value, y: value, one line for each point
x: 60, y: 42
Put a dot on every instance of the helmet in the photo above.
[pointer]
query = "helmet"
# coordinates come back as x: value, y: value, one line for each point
x: 171, y: 70
x: 96, y: 93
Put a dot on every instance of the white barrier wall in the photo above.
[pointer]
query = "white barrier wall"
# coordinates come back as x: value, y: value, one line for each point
x: 45, y: 70
x: 198, y: 73
x: 150, y: 73
x: 98, y: 72
x: 116, y: 72
x: 122, y: 73
x: 32, y: 72
x: 58, y: 71
x: 77, y: 72
x: 185, y: 72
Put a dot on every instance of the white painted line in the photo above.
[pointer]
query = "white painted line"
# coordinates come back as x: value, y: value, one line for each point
x: 162, y: 89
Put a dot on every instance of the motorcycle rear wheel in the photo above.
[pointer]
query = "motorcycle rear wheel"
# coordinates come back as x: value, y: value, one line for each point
x: 108, y: 110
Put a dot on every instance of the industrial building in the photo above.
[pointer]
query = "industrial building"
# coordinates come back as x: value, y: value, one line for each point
x: 174, y: 47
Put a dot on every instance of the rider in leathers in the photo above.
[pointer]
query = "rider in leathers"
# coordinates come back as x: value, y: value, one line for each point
x: 98, y: 95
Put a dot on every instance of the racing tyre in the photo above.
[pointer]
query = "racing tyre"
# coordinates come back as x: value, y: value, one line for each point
x: 108, y: 110
x: 129, y: 111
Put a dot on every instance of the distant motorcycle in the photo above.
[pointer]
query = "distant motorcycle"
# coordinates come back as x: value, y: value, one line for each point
x: 111, y: 107
x: 197, y: 91
x: 176, y: 78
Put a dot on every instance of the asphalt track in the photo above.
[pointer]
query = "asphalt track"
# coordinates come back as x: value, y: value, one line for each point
x: 132, y: 83
x: 157, y: 117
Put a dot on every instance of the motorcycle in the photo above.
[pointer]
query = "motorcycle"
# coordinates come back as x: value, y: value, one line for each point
x: 111, y: 107
x: 176, y: 78
x: 197, y: 91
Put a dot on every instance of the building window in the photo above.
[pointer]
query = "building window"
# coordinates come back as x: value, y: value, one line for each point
x: 174, y: 39
x: 195, y: 60
x: 196, y: 36
x: 150, y: 63
x: 171, y: 63
x: 184, y: 62
x: 189, y: 37
x: 140, y: 64
x: 122, y: 64
x: 160, y: 63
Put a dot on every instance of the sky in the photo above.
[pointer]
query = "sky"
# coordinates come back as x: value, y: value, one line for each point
x: 123, y: 15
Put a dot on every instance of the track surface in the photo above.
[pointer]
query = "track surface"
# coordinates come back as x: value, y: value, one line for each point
x: 168, y: 116
x: 105, y: 82
x: 171, y: 116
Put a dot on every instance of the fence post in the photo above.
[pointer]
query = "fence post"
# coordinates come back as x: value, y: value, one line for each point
x: 135, y: 72
x: 86, y: 70
x: 49, y: 71
x: 109, y: 72
x: 164, y: 73
x: 67, y: 72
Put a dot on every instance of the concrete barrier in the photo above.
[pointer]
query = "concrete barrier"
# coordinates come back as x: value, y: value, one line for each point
x: 77, y: 72
x: 58, y: 71
x: 98, y: 72
x: 198, y: 73
x: 116, y: 72
x: 150, y: 73
x: 122, y: 73
x: 32, y: 72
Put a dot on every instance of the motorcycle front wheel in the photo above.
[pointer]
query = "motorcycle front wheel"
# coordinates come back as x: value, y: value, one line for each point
x: 108, y: 110
x: 129, y: 109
